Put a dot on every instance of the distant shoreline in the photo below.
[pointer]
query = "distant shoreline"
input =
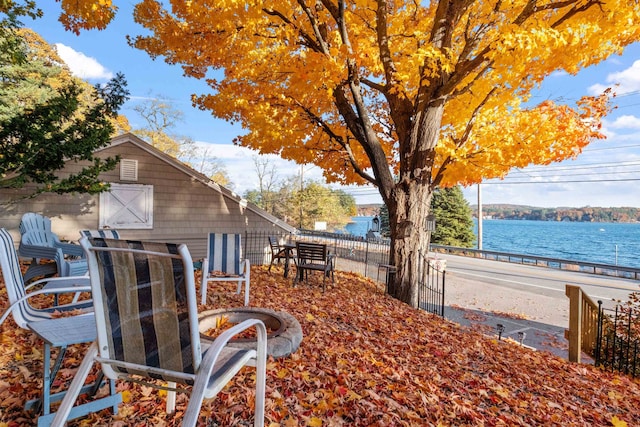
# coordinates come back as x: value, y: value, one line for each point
x: 533, y: 213
x: 486, y: 218
x: 560, y: 214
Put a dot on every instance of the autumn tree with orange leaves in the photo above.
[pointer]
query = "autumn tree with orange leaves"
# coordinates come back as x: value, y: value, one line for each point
x: 407, y: 96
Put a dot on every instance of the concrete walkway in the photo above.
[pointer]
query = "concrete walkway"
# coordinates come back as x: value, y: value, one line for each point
x: 523, y: 299
x: 542, y: 319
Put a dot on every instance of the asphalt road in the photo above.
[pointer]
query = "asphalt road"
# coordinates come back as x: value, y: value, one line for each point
x: 526, y: 300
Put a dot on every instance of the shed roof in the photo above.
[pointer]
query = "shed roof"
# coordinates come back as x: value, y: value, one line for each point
x: 192, y: 173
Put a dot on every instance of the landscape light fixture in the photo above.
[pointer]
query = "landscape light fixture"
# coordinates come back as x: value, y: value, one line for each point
x: 500, y: 328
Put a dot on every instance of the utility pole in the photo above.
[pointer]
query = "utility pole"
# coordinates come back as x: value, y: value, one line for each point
x: 479, y: 217
x: 301, y: 191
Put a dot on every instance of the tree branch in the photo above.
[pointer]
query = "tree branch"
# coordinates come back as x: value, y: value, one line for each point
x: 465, y: 135
x: 318, y: 46
x: 383, y: 42
x: 340, y: 141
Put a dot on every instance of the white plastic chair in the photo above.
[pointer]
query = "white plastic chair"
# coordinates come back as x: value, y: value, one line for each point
x: 224, y: 263
x: 147, y: 324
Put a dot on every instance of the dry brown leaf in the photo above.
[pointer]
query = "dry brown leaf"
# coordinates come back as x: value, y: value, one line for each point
x: 365, y: 360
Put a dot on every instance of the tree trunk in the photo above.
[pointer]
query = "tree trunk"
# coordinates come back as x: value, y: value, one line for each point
x: 409, y: 239
x: 409, y: 205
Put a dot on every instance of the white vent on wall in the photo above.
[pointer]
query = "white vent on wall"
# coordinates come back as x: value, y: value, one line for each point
x: 128, y: 170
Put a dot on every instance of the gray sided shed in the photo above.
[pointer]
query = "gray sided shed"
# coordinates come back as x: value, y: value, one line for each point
x: 153, y: 197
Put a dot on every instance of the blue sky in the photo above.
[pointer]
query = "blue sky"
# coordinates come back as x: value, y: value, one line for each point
x: 606, y: 174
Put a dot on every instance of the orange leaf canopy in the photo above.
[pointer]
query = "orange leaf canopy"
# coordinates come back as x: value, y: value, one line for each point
x: 284, y: 64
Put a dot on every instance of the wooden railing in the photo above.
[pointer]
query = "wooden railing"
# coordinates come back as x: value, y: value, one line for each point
x: 583, y: 323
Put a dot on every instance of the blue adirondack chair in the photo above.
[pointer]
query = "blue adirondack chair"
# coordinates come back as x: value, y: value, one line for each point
x: 38, y: 242
x: 19, y: 294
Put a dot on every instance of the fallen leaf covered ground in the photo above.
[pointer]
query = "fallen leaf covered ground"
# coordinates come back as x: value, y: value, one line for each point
x: 365, y: 360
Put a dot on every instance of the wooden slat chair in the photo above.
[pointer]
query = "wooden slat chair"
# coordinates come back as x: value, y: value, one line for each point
x: 224, y: 263
x: 147, y: 324
x: 37, y: 245
x: 314, y: 257
x: 42, y: 243
x: 106, y: 233
x: 32, y: 221
x: 277, y: 252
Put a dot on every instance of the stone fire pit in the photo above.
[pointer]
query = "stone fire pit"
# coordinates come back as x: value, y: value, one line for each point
x: 284, y: 338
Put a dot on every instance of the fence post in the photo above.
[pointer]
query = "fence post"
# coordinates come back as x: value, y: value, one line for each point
x: 444, y: 275
x: 366, y: 258
x: 575, y: 322
x: 599, y: 334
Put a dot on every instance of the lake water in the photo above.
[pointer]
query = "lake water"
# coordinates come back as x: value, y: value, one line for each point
x: 607, y: 243
x: 359, y: 226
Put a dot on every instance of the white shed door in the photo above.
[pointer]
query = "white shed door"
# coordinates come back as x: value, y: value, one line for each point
x: 127, y: 206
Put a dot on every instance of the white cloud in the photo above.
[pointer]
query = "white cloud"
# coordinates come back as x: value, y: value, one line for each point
x: 542, y: 192
x: 604, y: 175
x: 601, y: 194
x: 597, y: 89
x: 627, y: 80
x: 238, y: 161
x: 81, y: 65
x: 559, y: 73
x: 626, y: 122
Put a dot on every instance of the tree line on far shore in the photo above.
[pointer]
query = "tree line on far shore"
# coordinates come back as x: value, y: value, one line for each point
x: 583, y: 214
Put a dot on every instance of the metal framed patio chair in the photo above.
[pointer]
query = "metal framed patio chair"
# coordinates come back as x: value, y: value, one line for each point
x: 26, y: 316
x: 106, y: 233
x: 224, y: 263
x: 314, y: 257
x: 19, y: 294
x: 147, y: 324
x: 278, y: 253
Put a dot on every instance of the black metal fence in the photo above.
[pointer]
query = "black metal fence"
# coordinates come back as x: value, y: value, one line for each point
x: 355, y: 254
x: 431, y: 285
x: 256, y: 248
x: 618, y: 344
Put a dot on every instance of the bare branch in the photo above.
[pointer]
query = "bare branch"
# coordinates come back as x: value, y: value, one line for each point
x: 340, y: 141
x: 383, y: 42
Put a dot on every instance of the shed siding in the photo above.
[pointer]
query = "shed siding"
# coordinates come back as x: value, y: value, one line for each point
x: 185, y: 209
